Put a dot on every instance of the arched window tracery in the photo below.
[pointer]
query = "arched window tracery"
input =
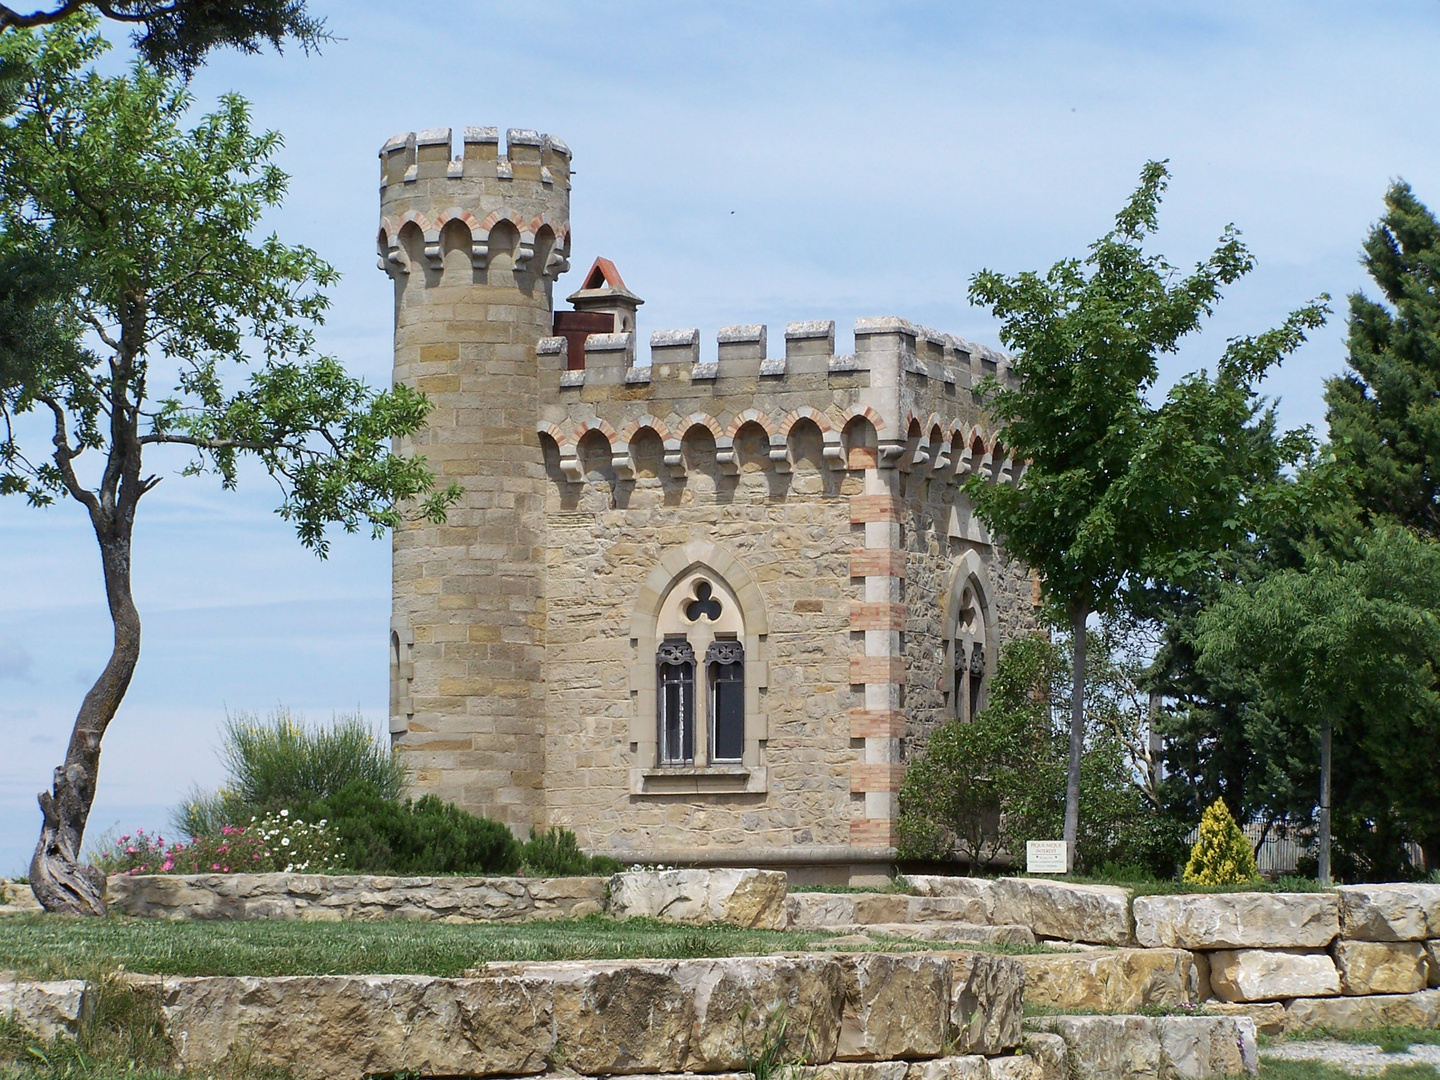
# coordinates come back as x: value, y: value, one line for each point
x: 699, y: 632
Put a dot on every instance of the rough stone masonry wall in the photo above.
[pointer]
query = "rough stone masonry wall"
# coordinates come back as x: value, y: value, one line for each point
x: 601, y: 552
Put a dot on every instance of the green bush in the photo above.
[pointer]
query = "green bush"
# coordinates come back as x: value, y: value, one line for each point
x: 281, y: 764
x: 377, y: 834
x: 556, y: 853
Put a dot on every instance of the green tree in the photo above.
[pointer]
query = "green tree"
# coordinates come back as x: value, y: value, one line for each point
x: 1347, y: 648
x: 1116, y: 490
x: 1384, y: 413
x: 990, y: 784
x: 141, y: 231
x: 177, y: 35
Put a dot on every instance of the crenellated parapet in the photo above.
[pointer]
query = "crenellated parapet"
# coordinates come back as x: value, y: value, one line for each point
x: 481, y: 201
x: 907, y: 398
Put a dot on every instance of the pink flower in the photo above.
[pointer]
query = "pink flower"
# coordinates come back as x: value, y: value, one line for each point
x: 215, y: 866
x: 132, y: 850
x: 167, y: 866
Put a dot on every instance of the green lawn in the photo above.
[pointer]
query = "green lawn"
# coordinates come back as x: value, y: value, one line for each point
x: 53, y: 946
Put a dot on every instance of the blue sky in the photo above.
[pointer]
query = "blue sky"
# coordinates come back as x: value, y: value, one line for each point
x: 740, y: 162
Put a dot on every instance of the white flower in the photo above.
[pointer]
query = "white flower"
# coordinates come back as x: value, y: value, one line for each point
x: 285, y: 841
x: 284, y: 813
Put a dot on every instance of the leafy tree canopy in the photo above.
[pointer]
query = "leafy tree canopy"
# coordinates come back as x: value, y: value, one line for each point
x: 130, y: 239
x: 177, y: 35
x: 1351, y: 643
x: 1119, y: 493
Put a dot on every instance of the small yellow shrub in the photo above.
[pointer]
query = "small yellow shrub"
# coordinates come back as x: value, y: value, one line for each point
x: 1222, y: 855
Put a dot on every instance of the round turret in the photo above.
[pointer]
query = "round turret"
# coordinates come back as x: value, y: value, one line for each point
x: 474, y: 245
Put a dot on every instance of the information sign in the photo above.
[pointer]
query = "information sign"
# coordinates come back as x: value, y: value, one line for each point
x: 1045, y: 857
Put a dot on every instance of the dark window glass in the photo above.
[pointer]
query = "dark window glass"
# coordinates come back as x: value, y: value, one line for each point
x: 977, y: 677
x: 726, y: 663
x: 677, y: 702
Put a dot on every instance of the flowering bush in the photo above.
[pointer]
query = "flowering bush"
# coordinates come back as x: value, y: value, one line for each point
x: 275, y: 842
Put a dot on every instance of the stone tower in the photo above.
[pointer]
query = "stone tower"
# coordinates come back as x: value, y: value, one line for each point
x: 474, y: 244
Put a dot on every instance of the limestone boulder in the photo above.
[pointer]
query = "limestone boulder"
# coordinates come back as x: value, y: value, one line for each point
x: 1048, y: 1052
x: 705, y: 1016
x: 1098, y: 914
x: 1237, y: 921
x: 1015, y: 1067
x: 1108, y: 1047
x: 1202, y: 1047
x: 1123, y: 980
x: 951, y: 932
x: 752, y: 898
x: 819, y: 911
x: 986, y: 1002
x: 1381, y: 967
x: 897, y: 1005
x: 16, y: 898
x: 323, y: 1027
x: 45, y: 1009
x: 1406, y: 911
x: 882, y: 908
x: 965, y: 909
x: 849, y: 1070
x: 1272, y: 974
x: 965, y: 1067
x: 1267, y: 1016
x: 1420, y: 1010
x: 980, y: 890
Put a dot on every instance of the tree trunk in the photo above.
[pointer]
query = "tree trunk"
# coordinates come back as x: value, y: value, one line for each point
x: 57, y: 878
x: 1323, y: 872
x: 1079, y: 613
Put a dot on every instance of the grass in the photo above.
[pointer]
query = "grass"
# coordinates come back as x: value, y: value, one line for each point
x: 1314, y: 1070
x: 55, y: 946
x: 1391, y: 1040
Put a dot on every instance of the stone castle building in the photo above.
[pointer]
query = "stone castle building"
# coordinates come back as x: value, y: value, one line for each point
x: 700, y: 609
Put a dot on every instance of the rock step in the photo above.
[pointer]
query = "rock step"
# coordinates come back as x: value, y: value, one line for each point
x: 602, y: 1017
x: 941, y: 932
x: 827, y: 911
x: 1146, y: 1047
x: 1112, y: 981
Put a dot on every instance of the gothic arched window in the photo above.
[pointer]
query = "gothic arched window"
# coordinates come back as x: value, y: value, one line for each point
x: 700, y: 620
x: 698, y: 681
x: 968, y: 646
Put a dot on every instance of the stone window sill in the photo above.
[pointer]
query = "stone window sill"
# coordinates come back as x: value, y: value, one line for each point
x: 697, y: 780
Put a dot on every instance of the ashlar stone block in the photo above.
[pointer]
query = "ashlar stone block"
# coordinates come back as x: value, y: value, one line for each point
x: 1403, y: 911
x: 1098, y: 914
x: 1237, y: 921
x: 1272, y: 974
x: 1381, y: 967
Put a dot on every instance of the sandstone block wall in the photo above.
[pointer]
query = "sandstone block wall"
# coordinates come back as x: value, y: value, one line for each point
x: 473, y: 246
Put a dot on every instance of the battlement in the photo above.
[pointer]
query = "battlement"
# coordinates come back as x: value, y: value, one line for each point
x: 908, y: 397
x: 887, y: 343
x: 425, y: 155
x: 481, y: 201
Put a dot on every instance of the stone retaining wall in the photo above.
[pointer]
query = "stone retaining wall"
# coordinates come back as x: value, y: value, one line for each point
x: 867, y: 1016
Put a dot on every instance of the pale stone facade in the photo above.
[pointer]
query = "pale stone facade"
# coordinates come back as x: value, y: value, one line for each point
x: 700, y: 610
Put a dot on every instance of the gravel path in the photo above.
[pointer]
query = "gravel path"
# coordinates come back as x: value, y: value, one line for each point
x: 1357, y: 1059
